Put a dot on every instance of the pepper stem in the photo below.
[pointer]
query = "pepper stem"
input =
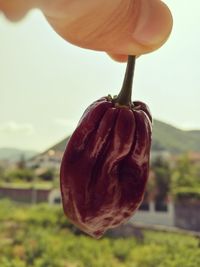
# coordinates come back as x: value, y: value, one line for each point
x: 124, y: 97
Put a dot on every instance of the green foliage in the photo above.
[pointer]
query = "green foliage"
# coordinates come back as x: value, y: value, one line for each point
x: 162, y: 174
x: 2, y: 172
x: 22, y: 162
x: 26, y: 175
x: 186, y: 179
x: 40, y: 236
x: 187, y: 193
x: 47, y: 175
x: 184, y: 174
x: 6, y: 209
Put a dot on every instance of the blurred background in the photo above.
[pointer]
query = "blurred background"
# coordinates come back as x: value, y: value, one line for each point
x: 46, y: 84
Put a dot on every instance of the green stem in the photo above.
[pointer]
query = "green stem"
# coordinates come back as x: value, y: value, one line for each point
x: 124, y: 97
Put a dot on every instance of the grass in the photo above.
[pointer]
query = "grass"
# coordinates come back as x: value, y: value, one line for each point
x: 41, y: 236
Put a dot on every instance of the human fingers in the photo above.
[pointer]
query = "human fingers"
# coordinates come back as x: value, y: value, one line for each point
x: 117, y: 27
x: 14, y: 10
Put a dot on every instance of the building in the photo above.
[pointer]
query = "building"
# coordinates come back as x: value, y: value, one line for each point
x: 49, y: 159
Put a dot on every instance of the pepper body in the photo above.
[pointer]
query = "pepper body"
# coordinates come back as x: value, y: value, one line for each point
x: 105, y: 166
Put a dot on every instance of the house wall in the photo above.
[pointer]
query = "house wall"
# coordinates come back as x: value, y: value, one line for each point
x: 182, y: 214
x: 187, y: 214
x: 25, y: 195
x: 153, y: 217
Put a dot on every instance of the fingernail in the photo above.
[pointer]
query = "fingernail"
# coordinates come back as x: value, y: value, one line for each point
x: 153, y: 24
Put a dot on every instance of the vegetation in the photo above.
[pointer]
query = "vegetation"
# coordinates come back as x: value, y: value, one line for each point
x: 162, y: 178
x: 17, y: 175
x: 40, y: 236
x: 180, y: 178
x: 48, y: 175
x: 187, y: 193
x: 185, y: 179
x: 24, y: 177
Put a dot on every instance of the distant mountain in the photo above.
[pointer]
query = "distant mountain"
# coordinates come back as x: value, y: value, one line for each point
x: 165, y: 137
x: 60, y: 146
x: 13, y: 154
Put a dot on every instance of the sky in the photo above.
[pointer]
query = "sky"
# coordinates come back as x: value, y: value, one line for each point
x: 47, y: 83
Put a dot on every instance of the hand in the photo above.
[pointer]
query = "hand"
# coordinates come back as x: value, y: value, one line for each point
x: 119, y: 27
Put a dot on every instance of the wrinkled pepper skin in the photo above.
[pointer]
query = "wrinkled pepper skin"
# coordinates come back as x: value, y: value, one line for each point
x: 105, y: 166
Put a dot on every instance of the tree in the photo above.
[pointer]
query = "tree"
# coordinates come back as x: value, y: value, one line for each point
x: 2, y: 172
x: 21, y: 164
x: 185, y: 173
x: 162, y: 174
x: 25, y: 175
x: 48, y: 175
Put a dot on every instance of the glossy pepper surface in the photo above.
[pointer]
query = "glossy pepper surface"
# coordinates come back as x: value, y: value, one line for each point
x: 105, y: 166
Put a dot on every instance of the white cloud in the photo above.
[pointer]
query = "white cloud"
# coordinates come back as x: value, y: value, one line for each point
x: 12, y: 127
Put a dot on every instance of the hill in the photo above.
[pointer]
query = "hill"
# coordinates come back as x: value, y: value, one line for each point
x: 165, y: 137
x: 14, y: 154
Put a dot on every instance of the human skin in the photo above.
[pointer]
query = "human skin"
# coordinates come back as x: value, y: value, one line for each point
x: 118, y: 27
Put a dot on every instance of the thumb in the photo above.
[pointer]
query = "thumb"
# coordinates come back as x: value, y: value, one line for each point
x: 118, y: 27
x: 148, y: 28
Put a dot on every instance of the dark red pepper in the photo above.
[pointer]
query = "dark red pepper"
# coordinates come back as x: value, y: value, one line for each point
x: 105, y: 166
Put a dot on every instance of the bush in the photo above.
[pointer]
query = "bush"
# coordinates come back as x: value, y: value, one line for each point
x: 40, y: 236
x: 184, y: 193
x: 26, y: 175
